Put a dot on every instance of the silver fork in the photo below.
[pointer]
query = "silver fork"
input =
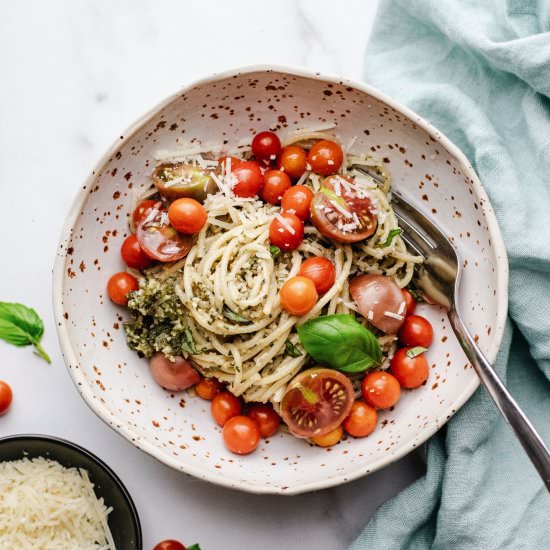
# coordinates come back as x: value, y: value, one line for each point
x: 439, y: 277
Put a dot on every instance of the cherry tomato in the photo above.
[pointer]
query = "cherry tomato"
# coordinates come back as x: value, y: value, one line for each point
x: 249, y: 178
x: 169, y: 545
x: 187, y: 216
x: 132, y: 254
x: 329, y: 439
x: 293, y: 161
x: 287, y: 236
x: 298, y: 295
x: 342, y: 213
x: 316, y: 401
x: 411, y: 372
x: 410, y: 302
x: 6, y: 397
x: 208, y: 388
x: 267, y: 419
x: 380, y: 389
x: 241, y: 435
x: 222, y: 162
x: 225, y: 406
x: 177, y: 375
x: 161, y: 241
x: 325, y: 157
x: 321, y: 271
x: 379, y: 300
x: 143, y: 209
x: 275, y: 185
x: 361, y: 420
x: 416, y: 331
x: 297, y: 200
x: 119, y: 286
x: 266, y: 146
x: 180, y: 180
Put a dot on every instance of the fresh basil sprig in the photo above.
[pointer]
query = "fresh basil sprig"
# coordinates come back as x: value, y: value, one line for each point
x: 194, y: 547
x: 341, y: 342
x: 21, y: 326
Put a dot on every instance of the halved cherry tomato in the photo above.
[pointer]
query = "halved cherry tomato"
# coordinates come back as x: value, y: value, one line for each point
x: 410, y: 302
x: 325, y: 157
x: 132, y: 254
x: 266, y: 146
x: 208, y: 388
x: 343, y: 213
x: 416, y: 331
x: 316, y: 401
x: 241, y: 435
x: 329, y: 439
x: 267, y: 419
x: 177, y: 375
x: 379, y: 300
x: 225, y: 406
x: 6, y: 397
x: 298, y: 295
x: 180, y: 180
x: 249, y: 178
x: 169, y: 545
x: 187, y: 216
x: 161, y: 241
x: 274, y: 187
x: 361, y: 420
x: 321, y: 271
x: 143, y: 209
x: 380, y: 389
x: 410, y: 371
x: 120, y: 285
x: 287, y: 236
x: 297, y: 200
x: 293, y: 161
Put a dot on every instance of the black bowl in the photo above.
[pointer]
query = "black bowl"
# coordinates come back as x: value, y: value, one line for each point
x: 123, y: 520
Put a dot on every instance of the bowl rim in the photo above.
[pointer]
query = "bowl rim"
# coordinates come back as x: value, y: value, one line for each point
x: 70, y: 355
x: 94, y: 458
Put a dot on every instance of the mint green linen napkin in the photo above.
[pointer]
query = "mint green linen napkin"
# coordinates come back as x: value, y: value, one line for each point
x: 480, y: 71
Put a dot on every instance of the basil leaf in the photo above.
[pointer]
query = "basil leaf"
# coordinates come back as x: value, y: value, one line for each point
x: 341, y: 342
x: 21, y: 326
x: 235, y: 317
x: 415, y: 352
x: 194, y: 547
x: 275, y: 251
x: 292, y: 350
x: 391, y: 235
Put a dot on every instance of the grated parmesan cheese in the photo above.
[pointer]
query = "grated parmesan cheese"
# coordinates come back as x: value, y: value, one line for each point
x: 46, y: 506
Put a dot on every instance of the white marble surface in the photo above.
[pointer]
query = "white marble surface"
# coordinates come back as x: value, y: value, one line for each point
x: 75, y: 74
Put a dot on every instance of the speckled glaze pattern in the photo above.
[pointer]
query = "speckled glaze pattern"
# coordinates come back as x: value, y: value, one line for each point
x: 229, y: 108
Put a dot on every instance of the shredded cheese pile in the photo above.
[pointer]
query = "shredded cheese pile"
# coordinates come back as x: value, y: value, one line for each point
x: 45, y: 506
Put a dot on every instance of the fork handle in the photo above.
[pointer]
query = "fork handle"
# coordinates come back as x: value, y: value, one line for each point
x: 528, y: 437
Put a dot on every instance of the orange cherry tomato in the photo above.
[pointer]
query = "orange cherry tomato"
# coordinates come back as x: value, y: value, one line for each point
x: 361, y: 420
x: 241, y: 435
x: 266, y: 146
x: 143, y: 209
x: 6, y: 397
x: 410, y: 302
x: 133, y: 255
x: 288, y: 235
x: 187, y: 216
x: 325, y: 157
x: 293, y: 161
x: 225, y: 406
x: 267, y: 419
x: 411, y: 372
x: 298, y: 295
x: 380, y: 389
x: 321, y: 271
x: 329, y: 439
x: 416, y: 331
x: 275, y: 185
x: 208, y: 388
x: 297, y: 200
x: 119, y: 286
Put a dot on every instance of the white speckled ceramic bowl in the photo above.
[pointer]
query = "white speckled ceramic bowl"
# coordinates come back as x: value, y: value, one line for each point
x: 176, y: 428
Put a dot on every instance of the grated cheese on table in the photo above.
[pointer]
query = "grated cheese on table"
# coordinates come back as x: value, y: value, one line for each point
x: 46, y: 506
